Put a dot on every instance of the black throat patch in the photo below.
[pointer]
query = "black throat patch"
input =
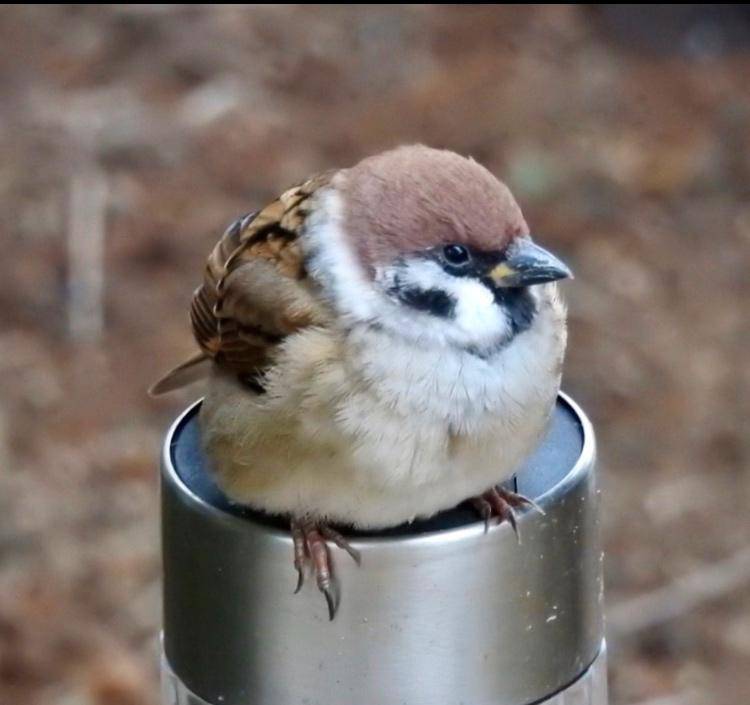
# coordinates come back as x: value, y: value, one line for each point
x: 519, y: 306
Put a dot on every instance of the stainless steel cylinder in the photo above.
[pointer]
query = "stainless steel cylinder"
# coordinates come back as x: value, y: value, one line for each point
x: 438, y: 613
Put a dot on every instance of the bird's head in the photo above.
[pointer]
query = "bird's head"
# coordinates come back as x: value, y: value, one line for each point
x: 431, y: 246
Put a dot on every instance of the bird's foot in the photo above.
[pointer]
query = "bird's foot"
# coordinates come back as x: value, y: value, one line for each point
x: 310, y: 547
x: 501, y: 503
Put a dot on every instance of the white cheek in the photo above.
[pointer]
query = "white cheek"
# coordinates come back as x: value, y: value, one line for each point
x: 477, y: 314
x: 423, y: 274
x: 477, y: 321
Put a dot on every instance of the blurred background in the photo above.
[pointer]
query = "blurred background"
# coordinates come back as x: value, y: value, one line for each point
x: 131, y: 135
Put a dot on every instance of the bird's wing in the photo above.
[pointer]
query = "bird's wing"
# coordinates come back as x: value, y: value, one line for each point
x: 254, y: 291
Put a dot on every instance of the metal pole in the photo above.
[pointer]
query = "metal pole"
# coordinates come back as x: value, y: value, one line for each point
x: 438, y: 613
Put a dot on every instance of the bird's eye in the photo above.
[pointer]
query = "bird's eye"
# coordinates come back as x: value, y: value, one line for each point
x: 456, y: 254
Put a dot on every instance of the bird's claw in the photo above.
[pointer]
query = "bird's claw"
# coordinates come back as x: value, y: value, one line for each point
x: 484, y: 509
x: 341, y: 542
x: 309, y: 538
x: 330, y: 602
x: 300, y: 553
x: 502, y: 503
x: 300, y: 580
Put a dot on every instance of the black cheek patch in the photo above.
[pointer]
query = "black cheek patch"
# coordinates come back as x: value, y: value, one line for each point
x: 519, y: 305
x: 434, y: 301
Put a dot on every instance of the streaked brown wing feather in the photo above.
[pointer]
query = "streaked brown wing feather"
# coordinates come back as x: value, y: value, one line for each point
x: 254, y: 291
x: 254, y: 294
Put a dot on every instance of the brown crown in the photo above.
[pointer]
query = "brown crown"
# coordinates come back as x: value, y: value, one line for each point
x: 414, y: 197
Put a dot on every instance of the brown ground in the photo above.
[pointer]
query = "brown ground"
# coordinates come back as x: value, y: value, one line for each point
x: 627, y: 143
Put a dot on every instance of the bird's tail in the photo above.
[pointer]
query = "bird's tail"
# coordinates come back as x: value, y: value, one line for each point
x: 193, y: 369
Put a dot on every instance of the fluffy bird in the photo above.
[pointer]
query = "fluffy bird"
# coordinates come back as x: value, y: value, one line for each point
x: 382, y: 342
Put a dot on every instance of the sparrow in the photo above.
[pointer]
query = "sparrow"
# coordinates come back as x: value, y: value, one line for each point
x: 381, y: 343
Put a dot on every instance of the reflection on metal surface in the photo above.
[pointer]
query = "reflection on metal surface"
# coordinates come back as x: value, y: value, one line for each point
x: 589, y: 689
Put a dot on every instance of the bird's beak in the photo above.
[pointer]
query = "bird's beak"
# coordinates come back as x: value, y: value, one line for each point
x: 526, y: 263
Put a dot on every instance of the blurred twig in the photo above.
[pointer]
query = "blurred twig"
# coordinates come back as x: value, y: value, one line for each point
x: 707, y: 583
x: 85, y: 241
